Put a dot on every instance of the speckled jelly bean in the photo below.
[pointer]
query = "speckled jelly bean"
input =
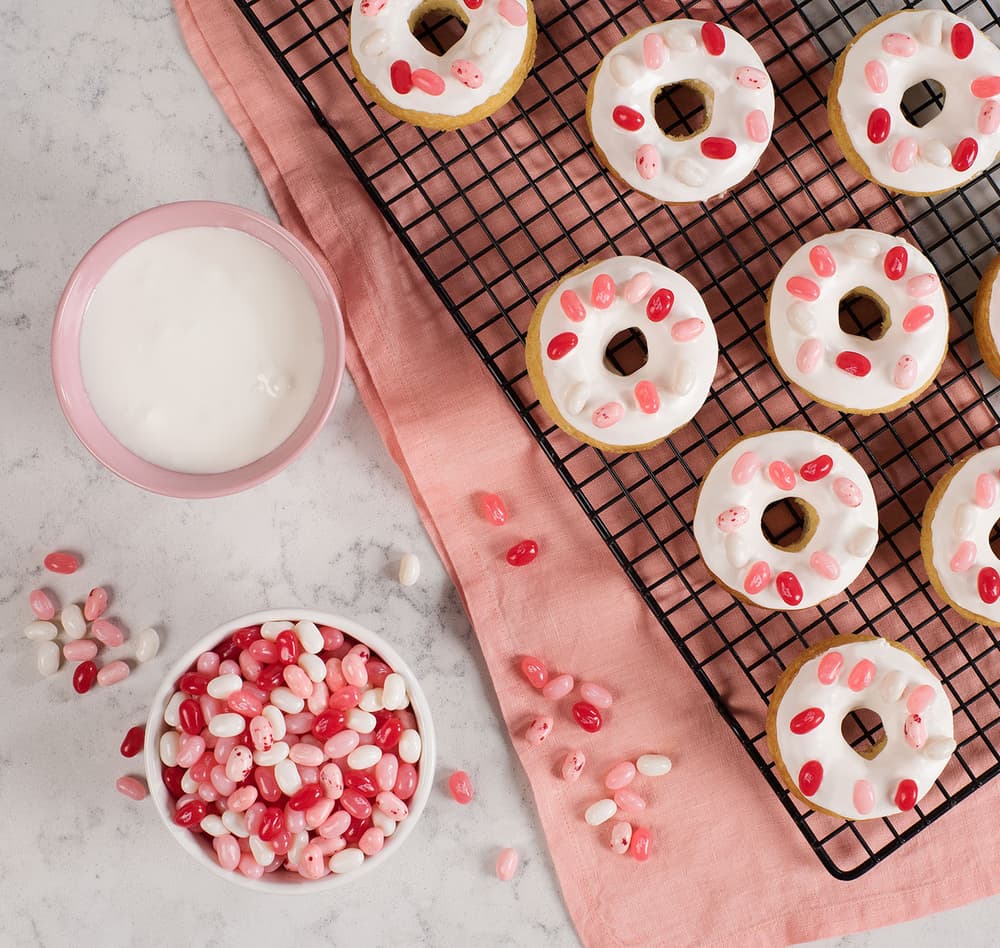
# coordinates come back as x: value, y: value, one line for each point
x: 62, y: 562
x: 42, y: 604
x: 112, y: 673
x: 572, y: 766
x: 621, y: 837
x: 538, y: 730
x: 506, y: 864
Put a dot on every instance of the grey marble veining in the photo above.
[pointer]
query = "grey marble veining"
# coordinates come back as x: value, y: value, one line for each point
x: 104, y: 115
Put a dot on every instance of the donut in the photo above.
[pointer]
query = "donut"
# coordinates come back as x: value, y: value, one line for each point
x: 986, y: 317
x: 844, y: 674
x: 569, y: 336
x: 470, y: 81
x: 718, y: 64
x: 847, y: 372
x: 840, y: 528
x: 955, y: 537
x: 885, y: 59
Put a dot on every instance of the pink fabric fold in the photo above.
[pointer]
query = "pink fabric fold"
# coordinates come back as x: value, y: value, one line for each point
x: 729, y: 868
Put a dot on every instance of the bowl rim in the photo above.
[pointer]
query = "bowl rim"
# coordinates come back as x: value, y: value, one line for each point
x: 67, y: 372
x: 294, y: 885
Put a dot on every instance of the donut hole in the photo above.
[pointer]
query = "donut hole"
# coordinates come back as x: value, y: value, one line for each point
x: 683, y: 109
x: 627, y: 352
x: 922, y: 102
x: 863, y: 731
x: 789, y: 524
x: 995, y: 539
x: 438, y: 25
x: 864, y: 314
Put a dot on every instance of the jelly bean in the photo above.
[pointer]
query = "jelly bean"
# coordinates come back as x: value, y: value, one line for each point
x: 328, y: 723
x: 336, y: 825
x: 284, y: 700
x: 538, y: 730
x: 602, y: 291
x: 73, y: 623
x: 364, y: 783
x: 647, y: 397
x: 298, y: 681
x: 410, y: 746
x: 864, y: 797
x: 653, y: 765
x: 848, y: 493
x: 227, y: 851
x: 597, y: 695
x: 394, y: 697
x: 350, y: 859
x: 862, y: 675
x: 363, y: 757
x: 261, y: 851
x: 355, y: 671
x: 757, y: 126
x: 189, y: 749
x: 309, y: 795
x: 227, y: 724
x: 587, y: 716
x: 803, y: 288
x: 573, y: 765
x: 915, y: 731
x: 388, y: 733
x: 263, y: 651
x: 989, y: 118
x: 132, y: 788
x: 627, y: 118
x: 853, y: 363
x: 506, y: 864
x: 988, y: 585
x: 355, y: 803
x: 409, y: 569
x: 904, y: 375
x: 558, y: 687
x: 386, y: 772
x: 825, y: 565
x: 491, y: 505
x: 810, y: 777
x: 391, y: 805
x: 731, y: 519
x: 147, y: 644
x: 621, y: 775
x: 191, y: 720
x: 172, y: 780
x: 822, y: 261
x: 460, y: 787
x: 108, y: 633
x: 345, y: 698
x: 922, y: 285
x: 80, y: 650
x: 718, y: 149
x: 287, y: 776
x: 319, y: 700
x: 371, y: 842
x: 384, y: 823
x: 876, y: 76
x: 341, y: 744
x: 112, y: 673
x: 61, y: 562
x: 193, y: 683
x: 637, y: 287
x: 629, y: 801
x: 223, y: 783
x: 809, y: 356
x: 84, y: 676
x: 371, y: 700
x: 133, y: 741
x: 899, y: 44
x: 895, y: 263
x: 600, y: 812
x: 97, y: 602
x: 534, y: 671
x: 261, y: 733
x: 361, y: 721
x: 278, y: 751
x: 621, y: 837
x: 904, y: 155
x: 190, y: 814
x: 807, y: 720
x: 892, y: 685
x: 42, y: 604
x: 936, y: 153
x: 523, y: 553
x: 816, y: 469
x: 713, y: 38
x: 965, y: 154
x: 406, y: 781
x: 906, y: 795
x: 289, y: 647
x: 920, y: 699
x: 789, y: 588
x: 746, y: 467
x: 208, y: 664
x: 263, y: 777
x: 239, y: 764
x: 241, y: 799
x: 647, y: 162
x: 574, y: 310
x: 653, y: 51
x: 687, y: 329
x: 659, y: 305
x: 962, y: 40
x: 295, y: 820
x: 986, y: 491
x: 642, y: 840
x: 401, y: 76
x: 561, y: 345
x: 879, y: 126
x: 757, y: 579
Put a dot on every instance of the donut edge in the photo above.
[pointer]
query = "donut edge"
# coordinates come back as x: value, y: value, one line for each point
x: 981, y: 317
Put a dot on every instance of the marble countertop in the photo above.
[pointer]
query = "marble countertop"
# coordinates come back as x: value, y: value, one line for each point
x: 104, y: 115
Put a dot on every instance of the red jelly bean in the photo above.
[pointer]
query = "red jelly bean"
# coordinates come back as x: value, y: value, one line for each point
x: 263, y: 651
x: 343, y: 699
x: 906, y: 794
x: 822, y: 261
x: 356, y: 830
x: 266, y: 784
x: 271, y: 676
x: 587, y: 716
x: 460, y: 787
x: 535, y: 671
x: 853, y: 363
x: 659, y: 305
x: 172, y: 777
x: 493, y: 509
x: 406, y: 781
x: 289, y: 647
x: 810, y: 777
x: 272, y: 822
x: 358, y: 805
x: 718, y: 148
x: 521, y: 554
x: 387, y: 734
x: 807, y: 720
x: 228, y: 651
x: 895, y: 263
x: 84, y: 677
x: 193, y: 683
x: 879, y: 124
x: 378, y: 671
x: 61, y: 562
x: 561, y: 345
x: 989, y: 585
x: 192, y: 719
x: 965, y: 154
x: 713, y: 38
x: 133, y: 741
x: 401, y: 76
x: 306, y: 797
x: 641, y: 841
x: 281, y: 842
x: 362, y: 782
x: 817, y: 468
x: 789, y: 587
x: 627, y: 118
x: 244, y: 638
x: 473, y: 4
x: 962, y: 40
x: 328, y: 723
x: 191, y: 814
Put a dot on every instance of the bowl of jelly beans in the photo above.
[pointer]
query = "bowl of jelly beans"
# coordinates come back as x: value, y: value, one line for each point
x: 290, y: 750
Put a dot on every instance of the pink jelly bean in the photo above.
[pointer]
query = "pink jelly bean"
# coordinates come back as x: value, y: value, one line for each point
x: 208, y: 664
x: 372, y: 840
x: 904, y: 375
x: 847, y: 492
x: 107, y: 633
x: 406, y: 781
x: 506, y: 864
x: 263, y: 651
x: 964, y: 558
x: 300, y: 723
x: 573, y: 766
x: 899, y: 44
x: 312, y: 864
x: 335, y: 825
x: 493, y: 509
x: 864, y: 797
x: 917, y: 317
x: 621, y: 837
x: 307, y: 754
x: 190, y: 747
x: 354, y: 670
x: 829, y: 667
x: 989, y: 118
x: 112, y: 673
x: 781, y: 474
x: 460, y: 787
x: 80, y: 650
x: 923, y: 285
x: 647, y: 397
x: 621, y: 775
x: 861, y: 675
x: 746, y: 467
x: 822, y: 261
x: 602, y: 291
x: 386, y: 772
x: 653, y: 51
x: 319, y: 813
x: 356, y: 804
x: 825, y: 564
x: 637, y: 287
x: 132, y: 788
x: 597, y: 695
x: 201, y: 769
x: 61, y: 562
x: 920, y: 699
x: 572, y: 306
x: 250, y: 668
x: 608, y: 415
x: 876, y: 76
x: 751, y: 78
x: 642, y: 840
x: 809, y: 356
x: 227, y: 851
x: 467, y: 73
x: 904, y: 155
x: 331, y: 779
x: 538, y: 730
x: 757, y: 579
x: 629, y: 801
x: 758, y: 129
x: 249, y: 867
x: 241, y: 799
x: 222, y: 783
x: 97, y: 602
x: 986, y: 491
x: 345, y: 698
x: 208, y: 793
x: 42, y: 604
x: 341, y: 744
x: 299, y: 683
x: 512, y: 12
x: 558, y: 687
x: 295, y: 820
x: 915, y: 731
x: 731, y: 519
x: 229, y: 667
x: 647, y: 162
x: 687, y: 329
x: 803, y: 288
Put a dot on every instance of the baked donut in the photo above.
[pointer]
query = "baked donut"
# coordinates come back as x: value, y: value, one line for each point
x: 885, y: 59
x: 986, y: 316
x: 569, y: 336
x: 820, y: 688
x: 722, y: 67
x: 470, y: 81
x: 840, y: 526
x: 848, y: 372
x: 955, y: 537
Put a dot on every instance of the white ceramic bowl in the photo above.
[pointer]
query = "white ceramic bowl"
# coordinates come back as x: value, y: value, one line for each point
x: 199, y: 845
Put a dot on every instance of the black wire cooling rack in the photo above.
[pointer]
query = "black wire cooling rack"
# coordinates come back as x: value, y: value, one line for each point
x: 494, y: 214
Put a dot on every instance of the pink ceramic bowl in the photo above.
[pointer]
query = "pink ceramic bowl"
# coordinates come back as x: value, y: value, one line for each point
x: 68, y: 376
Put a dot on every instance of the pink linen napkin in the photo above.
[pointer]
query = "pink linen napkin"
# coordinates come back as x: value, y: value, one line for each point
x: 729, y: 868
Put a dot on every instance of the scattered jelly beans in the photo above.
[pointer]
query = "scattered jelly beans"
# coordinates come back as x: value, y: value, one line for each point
x: 62, y: 562
x: 133, y: 741
x: 506, y: 864
x: 523, y: 553
x: 460, y: 787
x: 587, y: 716
x: 409, y: 569
x: 493, y: 509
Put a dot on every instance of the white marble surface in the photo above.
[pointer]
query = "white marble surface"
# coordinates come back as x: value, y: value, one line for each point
x: 104, y: 114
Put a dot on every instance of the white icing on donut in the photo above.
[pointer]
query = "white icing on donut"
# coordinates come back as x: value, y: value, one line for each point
x: 919, y: 735
x: 903, y: 50
x: 966, y: 566
x: 804, y: 320
x: 475, y: 69
x: 711, y: 161
x: 577, y: 324
x: 780, y: 465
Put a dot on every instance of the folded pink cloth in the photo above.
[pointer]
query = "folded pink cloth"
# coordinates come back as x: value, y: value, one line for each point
x: 729, y: 867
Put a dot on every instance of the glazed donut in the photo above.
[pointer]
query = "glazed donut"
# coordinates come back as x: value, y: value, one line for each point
x: 808, y: 706
x: 955, y: 537
x: 717, y: 63
x: 569, y: 335
x: 840, y: 527
x: 847, y: 372
x: 986, y: 317
x: 476, y: 76
x: 885, y: 59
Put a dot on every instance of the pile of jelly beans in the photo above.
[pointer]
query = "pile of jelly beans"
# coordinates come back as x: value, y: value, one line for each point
x: 292, y: 747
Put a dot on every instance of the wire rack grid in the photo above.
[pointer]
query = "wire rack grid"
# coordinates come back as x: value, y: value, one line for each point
x: 495, y: 213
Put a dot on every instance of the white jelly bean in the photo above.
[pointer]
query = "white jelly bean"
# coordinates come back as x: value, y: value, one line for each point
x: 600, y: 812
x: 372, y: 700
x: 47, y: 658
x: 409, y: 746
x: 309, y: 636
x: 384, y: 822
x: 313, y: 666
x: 271, y: 630
x: 284, y: 700
x: 346, y: 860
x: 361, y: 721
x: 276, y: 720
x: 171, y: 713
x: 73, y: 622
x: 227, y: 724
x: 363, y: 757
x: 236, y: 823
x: 188, y: 783
x: 653, y: 765
x: 394, y: 693
x: 621, y: 836
x: 213, y: 825
x: 147, y: 644
x: 224, y: 685
x: 277, y: 753
x: 299, y: 842
x: 409, y: 569
x: 287, y: 777
x: 40, y: 631
x: 169, y: 745
x: 262, y: 853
